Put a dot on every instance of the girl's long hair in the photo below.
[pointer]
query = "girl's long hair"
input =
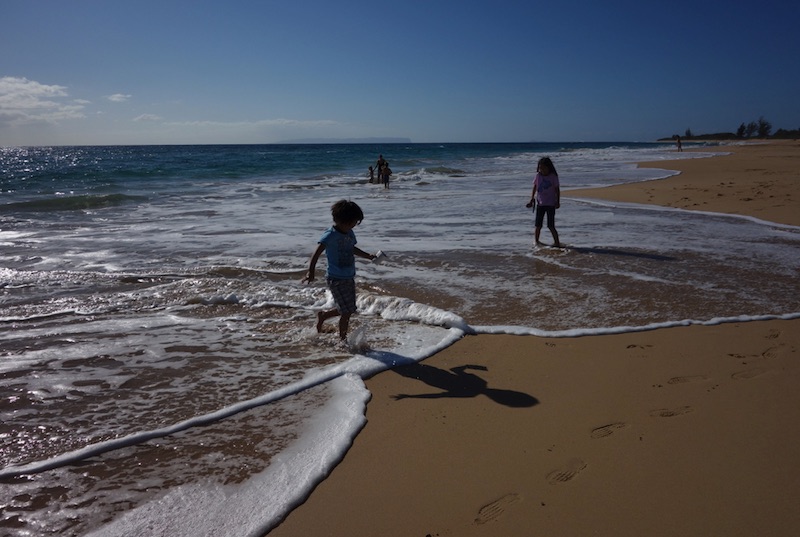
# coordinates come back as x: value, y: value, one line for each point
x: 547, y: 162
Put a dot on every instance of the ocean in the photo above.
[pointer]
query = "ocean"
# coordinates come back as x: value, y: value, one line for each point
x: 160, y: 373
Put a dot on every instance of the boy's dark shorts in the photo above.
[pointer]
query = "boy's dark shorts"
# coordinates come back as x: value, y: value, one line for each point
x: 550, y: 211
x: 344, y: 294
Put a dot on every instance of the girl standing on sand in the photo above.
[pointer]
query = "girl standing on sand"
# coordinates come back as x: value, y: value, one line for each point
x: 547, y: 197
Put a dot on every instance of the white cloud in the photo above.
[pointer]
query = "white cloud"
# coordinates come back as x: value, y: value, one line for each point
x: 24, y: 101
x: 148, y: 117
x: 118, y: 97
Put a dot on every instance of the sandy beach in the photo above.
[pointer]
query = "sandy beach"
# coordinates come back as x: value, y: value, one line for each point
x: 683, y: 431
x: 759, y: 180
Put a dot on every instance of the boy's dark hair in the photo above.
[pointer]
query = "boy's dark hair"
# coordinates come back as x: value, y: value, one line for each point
x: 346, y: 211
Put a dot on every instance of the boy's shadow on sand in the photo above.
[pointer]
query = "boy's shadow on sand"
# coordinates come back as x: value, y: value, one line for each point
x: 458, y: 383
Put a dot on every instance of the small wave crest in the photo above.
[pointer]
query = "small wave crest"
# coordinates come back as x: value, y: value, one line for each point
x: 72, y: 203
x: 444, y: 170
x: 403, y: 309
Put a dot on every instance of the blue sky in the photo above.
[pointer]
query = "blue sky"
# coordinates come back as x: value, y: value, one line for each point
x: 173, y: 72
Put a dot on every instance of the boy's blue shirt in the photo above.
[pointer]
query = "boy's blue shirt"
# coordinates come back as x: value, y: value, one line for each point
x: 339, y: 249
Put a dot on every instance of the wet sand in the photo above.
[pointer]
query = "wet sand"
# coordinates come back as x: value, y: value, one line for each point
x: 680, y: 431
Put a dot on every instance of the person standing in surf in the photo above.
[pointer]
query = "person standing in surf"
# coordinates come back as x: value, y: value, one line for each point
x: 339, y: 244
x: 385, y: 174
x: 546, y: 196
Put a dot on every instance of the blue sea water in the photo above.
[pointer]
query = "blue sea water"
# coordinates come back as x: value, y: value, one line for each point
x: 159, y: 366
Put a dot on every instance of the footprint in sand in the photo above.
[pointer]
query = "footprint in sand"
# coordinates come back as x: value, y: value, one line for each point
x: 495, y: 509
x: 748, y: 374
x: 671, y: 412
x: 770, y: 352
x: 684, y: 380
x: 608, y: 430
x: 563, y: 475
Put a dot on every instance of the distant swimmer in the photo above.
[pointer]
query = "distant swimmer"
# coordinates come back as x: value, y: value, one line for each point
x: 386, y: 172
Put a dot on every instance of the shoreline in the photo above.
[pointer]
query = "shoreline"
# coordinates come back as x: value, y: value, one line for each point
x: 758, y: 180
x: 675, y: 431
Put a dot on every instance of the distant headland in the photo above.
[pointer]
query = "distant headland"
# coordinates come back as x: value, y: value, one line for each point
x: 348, y: 141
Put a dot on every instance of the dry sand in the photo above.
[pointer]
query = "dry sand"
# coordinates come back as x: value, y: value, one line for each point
x: 757, y: 180
x: 681, y: 431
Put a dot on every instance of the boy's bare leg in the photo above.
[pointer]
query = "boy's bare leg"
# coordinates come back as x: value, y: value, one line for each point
x: 344, y: 324
x: 323, y: 316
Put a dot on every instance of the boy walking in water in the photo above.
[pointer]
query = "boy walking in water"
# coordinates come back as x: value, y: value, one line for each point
x: 339, y: 244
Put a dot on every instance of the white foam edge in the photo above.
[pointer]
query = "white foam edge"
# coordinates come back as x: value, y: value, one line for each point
x: 661, y: 208
x: 258, y: 505
x: 361, y: 365
x: 579, y: 332
x: 262, y: 502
